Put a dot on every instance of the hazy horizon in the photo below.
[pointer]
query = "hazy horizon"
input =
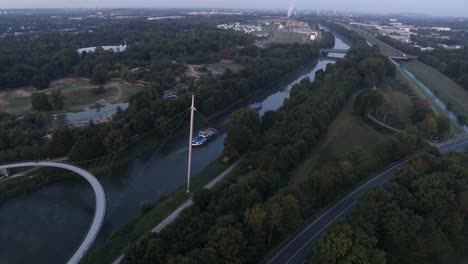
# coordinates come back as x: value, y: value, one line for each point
x: 430, y: 7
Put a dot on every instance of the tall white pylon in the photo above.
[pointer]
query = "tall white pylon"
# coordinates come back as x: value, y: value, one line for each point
x: 192, y: 108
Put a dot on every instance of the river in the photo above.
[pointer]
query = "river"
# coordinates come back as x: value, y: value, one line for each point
x: 47, y: 225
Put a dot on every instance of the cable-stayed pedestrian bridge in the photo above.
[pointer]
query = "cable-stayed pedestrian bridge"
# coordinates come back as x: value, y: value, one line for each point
x: 99, y: 210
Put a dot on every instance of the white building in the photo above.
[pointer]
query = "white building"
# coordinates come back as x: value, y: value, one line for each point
x: 452, y: 47
x: 313, y: 36
x: 441, y: 28
x: 424, y: 48
x: 116, y: 49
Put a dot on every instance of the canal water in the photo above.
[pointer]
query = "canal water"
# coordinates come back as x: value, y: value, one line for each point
x: 47, y: 225
x: 98, y: 114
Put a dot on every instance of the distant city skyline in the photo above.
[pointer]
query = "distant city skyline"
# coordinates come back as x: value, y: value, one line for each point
x: 430, y: 7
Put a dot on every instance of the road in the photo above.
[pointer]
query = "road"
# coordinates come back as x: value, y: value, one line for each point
x: 99, y: 210
x: 296, y: 250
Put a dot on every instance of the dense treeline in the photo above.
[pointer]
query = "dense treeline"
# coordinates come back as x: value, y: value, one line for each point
x: 22, y: 139
x: 247, y: 214
x: 418, y: 217
x: 452, y: 63
x: 147, y: 111
x: 26, y: 60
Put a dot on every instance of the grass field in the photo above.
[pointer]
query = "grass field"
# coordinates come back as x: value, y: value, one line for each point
x: 402, y: 108
x: 421, y: 92
x: 447, y: 90
x: 78, y: 94
x: 220, y: 68
x: 346, y: 132
x: 12, y: 103
x: 286, y: 37
x: 215, y: 69
x: 400, y: 96
x: 384, y: 47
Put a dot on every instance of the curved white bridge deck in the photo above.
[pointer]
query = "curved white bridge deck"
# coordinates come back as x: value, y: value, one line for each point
x: 100, y: 208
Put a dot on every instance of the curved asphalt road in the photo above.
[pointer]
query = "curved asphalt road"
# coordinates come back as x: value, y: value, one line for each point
x: 296, y: 250
x: 99, y: 211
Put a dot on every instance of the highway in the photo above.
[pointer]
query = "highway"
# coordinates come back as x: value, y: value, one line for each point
x: 100, y: 207
x: 296, y: 250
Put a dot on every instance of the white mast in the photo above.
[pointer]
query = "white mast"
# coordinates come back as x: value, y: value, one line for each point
x: 192, y: 108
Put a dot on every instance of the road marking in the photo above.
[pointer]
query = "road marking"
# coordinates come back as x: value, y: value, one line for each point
x: 340, y: 202
x: 396, y: 166
x: 453, y: 146
x: 318, y: 233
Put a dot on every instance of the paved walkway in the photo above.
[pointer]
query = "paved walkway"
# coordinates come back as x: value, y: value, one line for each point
x: 382, y: 124
x: 28, y: 171
x: 189, y: 202
x: 100, y: 205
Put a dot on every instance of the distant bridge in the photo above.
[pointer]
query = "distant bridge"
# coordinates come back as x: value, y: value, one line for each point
x: 99, y: 210
x: 395, y: 56
x: 343, y: 51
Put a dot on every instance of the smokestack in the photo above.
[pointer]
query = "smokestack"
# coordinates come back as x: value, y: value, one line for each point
x: 292, y: 9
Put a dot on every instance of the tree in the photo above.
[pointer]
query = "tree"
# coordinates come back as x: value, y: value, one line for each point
x: 275, y: 213
x: 56, y: 99
x: 100, y: 75
x: 385, y: 109
x: 283, y: 215
x: 226, y: 246
x: 255, y: 218
x: 347, y: 245
x: 114, y: 141
x: 227, y: 54
x: 100, y: 90
x: 40, y: 101
x: 369, y: 102
x: 429, y: 125
x: 443, y: 125
x: 62, y: 141
x: 242, y: 128
x: 87, y: 147
x: 373, y: 70
x: 40, y: 81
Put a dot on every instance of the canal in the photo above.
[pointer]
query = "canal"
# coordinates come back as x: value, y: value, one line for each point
x: 47, y: 225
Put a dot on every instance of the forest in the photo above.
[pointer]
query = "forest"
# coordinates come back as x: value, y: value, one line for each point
x: 252, y: 211
x: 36, y: 61
x: 418, y: 217
x: 148, y: 112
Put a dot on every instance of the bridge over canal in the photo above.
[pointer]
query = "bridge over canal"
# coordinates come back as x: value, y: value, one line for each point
x: 395, y: 56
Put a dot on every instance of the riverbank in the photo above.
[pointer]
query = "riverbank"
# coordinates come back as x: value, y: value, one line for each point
x: 413, y: 71
x: 143, y: 178
x: 115, y: 245
x: 144, y: 146
x: 143, y: 223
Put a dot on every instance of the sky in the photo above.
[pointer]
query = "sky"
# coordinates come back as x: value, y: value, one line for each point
x: 430, y: 7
